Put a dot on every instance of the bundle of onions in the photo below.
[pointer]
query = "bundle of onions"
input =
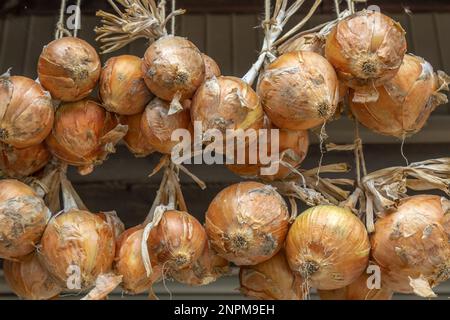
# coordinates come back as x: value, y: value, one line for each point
x: 367, y: 50
x: 158, y: 124
x: 135, y: 139
x: 122, y: 88
x: 247, y: 223
x: 18, y: 163
x: 212, y: 69
x: 299, y: 90
x: 173, y: 68
x: 27, y: 113
x: 23, y: 217
x: 411, y: 245
x: 405, y: 102
x: 69, y: 68
x: 28, y: 279
x: 77, y: 242
x: 84, y: 134
x: 270, y: 280
x: 328, y: 247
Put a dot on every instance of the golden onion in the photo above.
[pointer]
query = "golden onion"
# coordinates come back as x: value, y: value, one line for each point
x: 212, y: 69
x: 18, y: 163
x: 135, y: 139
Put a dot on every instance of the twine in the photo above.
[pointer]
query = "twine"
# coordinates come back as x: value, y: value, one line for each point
x: 173, y: 18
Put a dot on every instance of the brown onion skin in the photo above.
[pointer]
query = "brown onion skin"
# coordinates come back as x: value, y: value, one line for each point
x: 69, y: 68
x: 122, y: 88
x: 405, y: 102
x: 309, y: 42
x: 212, y: 69
x: 270, y: 280
x: 247, y: 223
x: 157, y: 125
x: 328, y: 246
x: 19, y: 163
x: 135, y: 139
x: 76, y: 136
x: 29, y: 280
x: 411, y: 240
x: 23, y: 217
x: 78, y: 238
x: 299, y: 90
x: 361, y: 57
x: 173, y: 65
x: 28, y: 112
x: 177, y: 241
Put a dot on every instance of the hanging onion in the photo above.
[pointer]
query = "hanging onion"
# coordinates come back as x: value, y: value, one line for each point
x: 122, y: 88
x: 366, y: 49
x: 270, y: 280
x: 26, y: 112
x: 328, y: 247
x: 28, y: 279
x: 411, y: 245
x: 23, y: 217
x: 77, y: 246
x: 299, y: 90
x: 212, y: 69
x: 405, y: 102
x: 69, y: 68
x: 247, y: 223
x: 308, y: 42
x: 135, y: 139
x: 84, y: 134
x: 18, y: 163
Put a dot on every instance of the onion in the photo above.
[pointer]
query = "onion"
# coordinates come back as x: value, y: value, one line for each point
x: 84, y: 134
x: 173, y: 67
x: 18, y: 163
x: 77, y: 244
x: 28, y: 279
x: 366, y: 49
x: 122, y: 87
x: 23, y: 217
x: 308, y: 42
x: 328, y: 247
x: 299, y: 90
x: 270, y: 280
x: 27, y: 113
x: 247, y: 223
x: 135, y: 139
x: 212, y: 69
x: 69, y: 68
x: 405, y: 102
x: 157, y: 125
x: 411, y: 244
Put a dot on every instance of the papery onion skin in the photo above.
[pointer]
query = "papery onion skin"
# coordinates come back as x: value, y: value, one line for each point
x: 135, y: 139
x: 23, y: 218
x: 77, y: 241
x: 29, y: 280
x: 328, y: 247
x: 270, y: 280
x: 411, y: 241
x: 122, y: 88
x: 308, y: 42
x: 69, y: 68
x: 173, y: 65
x: 27, y: 112
x: 366, y: 49
x: 19, y: 163
x: 405, y: 102
x: 157, y: 125
x: 299, y: 90
x: 247, y: 223
x: 212, y: 69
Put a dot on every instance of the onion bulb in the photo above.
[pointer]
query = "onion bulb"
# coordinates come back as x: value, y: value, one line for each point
x: 18, y: 163
x: 247, y: 223
x: 173, y: 67
x: 366, y: 49
x: 23, y: 217
x: 328, y: 247
x: 135, y: 139
x: 77, y: 246
x: 299, y: 90
x: 26, y: 112
x: 411, y: 245
x: 405, y: 102
x: 212, y: 69
x: 122, y: 88
x: 28, y: 279
x: 69, y: 68
x: 308, y: 42
x: 84, y: 134
x: 270, y: 280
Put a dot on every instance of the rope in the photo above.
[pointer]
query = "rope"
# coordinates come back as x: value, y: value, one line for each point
x: 336, y: 7
x: 173, y: 18
x: 60, y: 24
x: 77, y: 18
